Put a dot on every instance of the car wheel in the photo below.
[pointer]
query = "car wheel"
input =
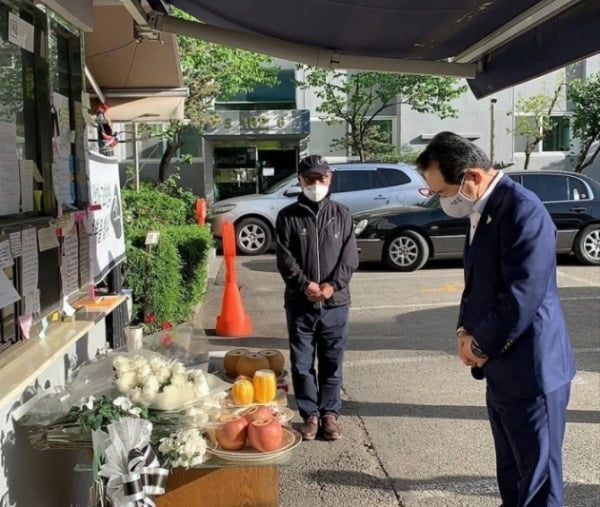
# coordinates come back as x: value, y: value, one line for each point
x: 253, y: 236
x: 406, y: 251
x: 587, y: 245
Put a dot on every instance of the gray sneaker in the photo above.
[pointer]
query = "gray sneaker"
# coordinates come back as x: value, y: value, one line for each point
x: 310, y: 427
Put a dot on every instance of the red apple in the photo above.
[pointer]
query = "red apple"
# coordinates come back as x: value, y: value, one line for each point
x: 265, y: 434
x: 232, y: 432
x: 257, y: 412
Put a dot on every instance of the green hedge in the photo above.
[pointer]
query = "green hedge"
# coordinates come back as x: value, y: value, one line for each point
x: 169, y: 279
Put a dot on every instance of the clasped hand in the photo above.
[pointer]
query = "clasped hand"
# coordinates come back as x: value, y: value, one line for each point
x: 317, y: 293
x: 464, y: 344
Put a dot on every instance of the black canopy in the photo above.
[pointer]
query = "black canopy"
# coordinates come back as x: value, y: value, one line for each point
x: 510, y: 41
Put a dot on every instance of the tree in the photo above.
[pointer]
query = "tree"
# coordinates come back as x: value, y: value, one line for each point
x: 359, y: 97
x: 211, y: 71
x: 534, y: 121
x: 585, y: 121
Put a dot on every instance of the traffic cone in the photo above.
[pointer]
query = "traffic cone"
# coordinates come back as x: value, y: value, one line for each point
x: 233, y: 320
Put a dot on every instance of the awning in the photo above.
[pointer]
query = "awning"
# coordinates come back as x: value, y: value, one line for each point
x: 140, y: 78
x: 497, y: 42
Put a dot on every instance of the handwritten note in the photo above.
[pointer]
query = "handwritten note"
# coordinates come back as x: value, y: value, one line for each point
x: 6, y: 258
x: 15, y: 244
x: 47, y: 238
x: 29, y: 263
x: 8, y: 293
x: 60, y: 181
x: 26, y: 170
x: 85, y: 273
x: 9, y: 169
x: 69, y: 266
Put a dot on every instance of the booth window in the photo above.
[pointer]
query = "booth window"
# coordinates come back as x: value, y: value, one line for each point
x: 66, y: 80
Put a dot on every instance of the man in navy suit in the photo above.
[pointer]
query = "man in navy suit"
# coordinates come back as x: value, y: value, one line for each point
x: 511, y: 328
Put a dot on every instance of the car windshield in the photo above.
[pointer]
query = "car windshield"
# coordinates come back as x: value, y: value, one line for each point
x: 279, y: 185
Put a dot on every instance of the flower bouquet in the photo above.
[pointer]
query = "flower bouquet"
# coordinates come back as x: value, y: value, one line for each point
x: 159, y: 383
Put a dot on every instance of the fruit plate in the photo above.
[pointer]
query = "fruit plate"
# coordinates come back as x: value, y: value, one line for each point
x: 291, y: 440
x: 282, y: 414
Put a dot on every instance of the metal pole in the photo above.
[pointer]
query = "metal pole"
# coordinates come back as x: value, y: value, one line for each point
x: 136, y: 157
x: 492, y: 121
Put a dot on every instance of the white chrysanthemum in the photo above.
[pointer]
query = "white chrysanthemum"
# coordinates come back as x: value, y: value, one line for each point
x: 156, y: 363
x: 179, y: 380
x: 164, y: 375
x: 126, y: 381
x: 151, y: 385
x: 178, y: 368
x: 121, y: 363
x: 138, y: 362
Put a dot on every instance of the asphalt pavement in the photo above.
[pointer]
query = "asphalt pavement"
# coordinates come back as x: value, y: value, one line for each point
x: 415, y: 429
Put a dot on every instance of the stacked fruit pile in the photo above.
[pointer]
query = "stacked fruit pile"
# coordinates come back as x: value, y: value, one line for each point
x: 256, y: 427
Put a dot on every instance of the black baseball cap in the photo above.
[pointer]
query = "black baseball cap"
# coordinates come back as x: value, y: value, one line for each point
x: 313, y: 164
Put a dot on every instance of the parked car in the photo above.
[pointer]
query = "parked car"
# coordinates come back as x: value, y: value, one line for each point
x: 359, y: 186
x: 405, y: 239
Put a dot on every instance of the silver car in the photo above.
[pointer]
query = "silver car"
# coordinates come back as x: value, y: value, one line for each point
x: 360, y: 186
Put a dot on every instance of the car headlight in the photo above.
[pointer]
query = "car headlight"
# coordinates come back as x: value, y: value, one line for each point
x: 223, y: 208
x: 360, y: 226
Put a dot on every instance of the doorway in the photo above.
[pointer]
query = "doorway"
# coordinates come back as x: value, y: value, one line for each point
x: 275, y: 165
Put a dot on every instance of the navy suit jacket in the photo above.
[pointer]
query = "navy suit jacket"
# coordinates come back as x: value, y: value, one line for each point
x: 510, y: 303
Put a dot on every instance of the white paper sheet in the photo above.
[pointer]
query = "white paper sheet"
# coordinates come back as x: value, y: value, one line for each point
x: 10, y: 191
x: 8, y: 293
x: 29, y: 263
x: 26, y: 170
x: 20, y: 32
x: 15, y: 244
x: 69, y: 264
x: 47, y: 238
x: 61, y: 181
x: 84, y: 254
x: 6, y: 258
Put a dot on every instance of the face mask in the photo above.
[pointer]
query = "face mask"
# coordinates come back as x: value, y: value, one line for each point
x: 457, y: 206
x: 316, y: 192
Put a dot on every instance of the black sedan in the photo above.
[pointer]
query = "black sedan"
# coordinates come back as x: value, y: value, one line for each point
x: 404, y: 239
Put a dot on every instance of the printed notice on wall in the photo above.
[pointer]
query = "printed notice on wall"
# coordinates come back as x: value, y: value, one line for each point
x: 84, y: 254
x: 26, y: 170
x: 10, y: 191
x: 6, y: 258
x: 47, y: 238
x: 15, y: 244
x: 29, y: 263
x: 8, y: 293
x: 69, y: 263
x: 20, y: 32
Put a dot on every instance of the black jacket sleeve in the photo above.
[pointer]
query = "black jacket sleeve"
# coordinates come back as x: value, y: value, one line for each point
x: 348, y: 258
x: 287, y: 265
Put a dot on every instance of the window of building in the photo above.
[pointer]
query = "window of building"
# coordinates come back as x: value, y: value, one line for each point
x: 192, y: 143
x: 280, y: 96
x: 557, y: 139
x: 386, y: 127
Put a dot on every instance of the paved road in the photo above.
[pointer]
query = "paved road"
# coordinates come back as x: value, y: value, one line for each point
x: 414, y: 421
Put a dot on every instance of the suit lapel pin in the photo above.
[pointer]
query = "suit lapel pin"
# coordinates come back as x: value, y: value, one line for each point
x: 489, y: 219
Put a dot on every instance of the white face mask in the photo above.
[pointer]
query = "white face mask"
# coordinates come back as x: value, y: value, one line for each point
x: 459, y: 205
x: 316, y: 192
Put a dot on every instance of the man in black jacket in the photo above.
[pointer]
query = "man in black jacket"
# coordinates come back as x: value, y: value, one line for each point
x: 316, y: 256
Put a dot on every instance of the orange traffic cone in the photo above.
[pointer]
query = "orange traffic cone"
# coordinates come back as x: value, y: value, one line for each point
x: 233, y: 320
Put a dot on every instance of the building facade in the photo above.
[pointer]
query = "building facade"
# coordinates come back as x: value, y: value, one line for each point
x: 249, y: 149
